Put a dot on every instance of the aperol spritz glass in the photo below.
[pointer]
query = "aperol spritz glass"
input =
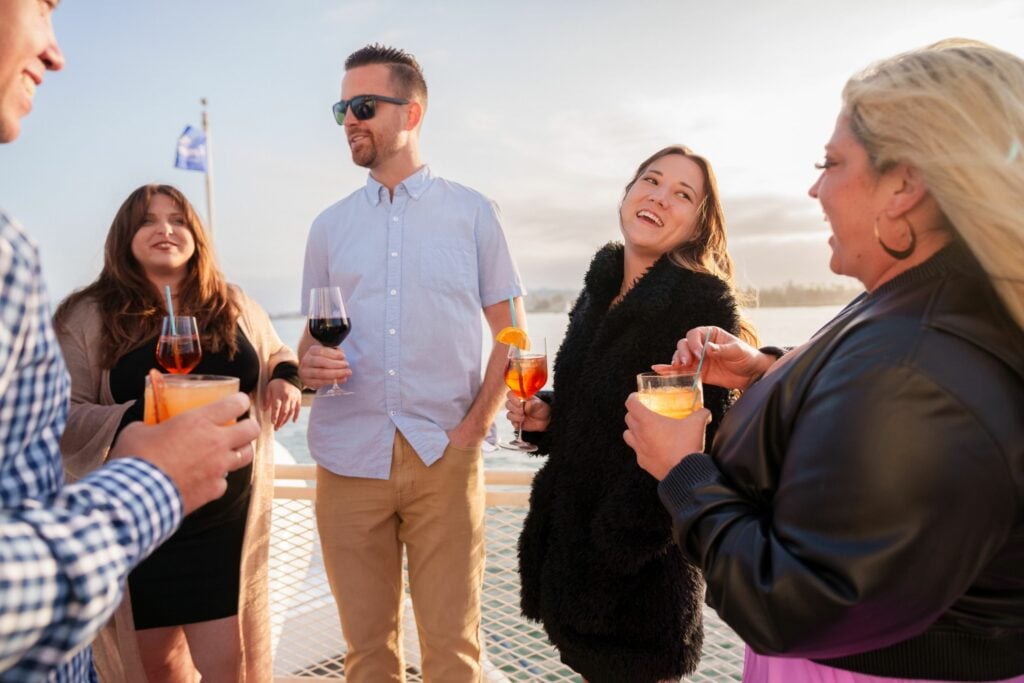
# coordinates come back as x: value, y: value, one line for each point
x: 526, y: 372
x: 178, y: 350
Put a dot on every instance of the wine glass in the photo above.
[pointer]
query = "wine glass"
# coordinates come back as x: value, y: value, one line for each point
x: 525, y: 373
x: 329, y: 324
x: 178, y: 350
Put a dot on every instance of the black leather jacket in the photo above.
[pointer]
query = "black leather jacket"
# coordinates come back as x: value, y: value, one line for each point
x: 864, y: 504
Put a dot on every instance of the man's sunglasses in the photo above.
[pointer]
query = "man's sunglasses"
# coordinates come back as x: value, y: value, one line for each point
x: 363, y: 107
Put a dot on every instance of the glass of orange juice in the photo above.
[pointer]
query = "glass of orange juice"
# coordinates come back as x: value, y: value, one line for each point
x: 179, y: 393
x: 673, y: 394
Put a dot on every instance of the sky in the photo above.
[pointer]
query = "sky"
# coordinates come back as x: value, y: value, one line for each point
x: 546, y: 107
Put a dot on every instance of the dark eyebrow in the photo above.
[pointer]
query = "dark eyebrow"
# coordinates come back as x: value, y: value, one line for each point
x: 657, y: 172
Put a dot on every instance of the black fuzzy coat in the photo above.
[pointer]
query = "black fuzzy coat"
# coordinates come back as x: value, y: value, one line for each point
x: 596, y: 557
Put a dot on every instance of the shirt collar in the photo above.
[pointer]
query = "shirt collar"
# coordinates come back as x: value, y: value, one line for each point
x: 415, y: 185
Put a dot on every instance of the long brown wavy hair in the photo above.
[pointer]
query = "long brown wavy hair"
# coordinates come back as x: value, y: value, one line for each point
x: 131, y: 308
x: 705, y: 251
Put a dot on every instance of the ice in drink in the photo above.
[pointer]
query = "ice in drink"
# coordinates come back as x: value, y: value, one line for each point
x: 178, y: 355
x: 674, y: 395
x: 677, y: 402
x: 526, y: 375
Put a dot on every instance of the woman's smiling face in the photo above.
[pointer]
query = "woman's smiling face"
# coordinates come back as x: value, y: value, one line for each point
x: 163, y: 244
x: 660, y: 210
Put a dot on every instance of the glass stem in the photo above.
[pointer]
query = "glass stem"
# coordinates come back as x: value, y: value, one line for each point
x: 519, y: 430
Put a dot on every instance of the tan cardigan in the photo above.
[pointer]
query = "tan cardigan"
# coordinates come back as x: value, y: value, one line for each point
x: 92, y: 421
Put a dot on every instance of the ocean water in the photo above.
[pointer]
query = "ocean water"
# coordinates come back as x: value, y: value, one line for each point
x: 775, y: 326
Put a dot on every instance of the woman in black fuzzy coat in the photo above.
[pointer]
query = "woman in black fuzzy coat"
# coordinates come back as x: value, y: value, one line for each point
x: 596, y: 557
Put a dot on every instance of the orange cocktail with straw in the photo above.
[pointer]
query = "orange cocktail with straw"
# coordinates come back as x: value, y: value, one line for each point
x: 175, y: 394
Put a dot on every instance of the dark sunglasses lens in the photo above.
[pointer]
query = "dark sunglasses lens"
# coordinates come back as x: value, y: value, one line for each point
x: 363, y: 108
x: 339, y: 111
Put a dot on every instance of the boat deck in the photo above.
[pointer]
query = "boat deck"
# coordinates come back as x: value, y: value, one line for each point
x: 308, y: 645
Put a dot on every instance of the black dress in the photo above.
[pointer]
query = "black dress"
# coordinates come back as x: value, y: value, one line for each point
x: 194, y: 575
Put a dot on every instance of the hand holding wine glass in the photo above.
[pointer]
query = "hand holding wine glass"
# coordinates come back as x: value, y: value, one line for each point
x: 328, y: 324
x: 178, y: 350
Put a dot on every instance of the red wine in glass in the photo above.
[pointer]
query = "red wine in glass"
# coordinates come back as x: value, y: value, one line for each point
x: 329, y: 324
x: 329, y: 331
x: 177, y: 349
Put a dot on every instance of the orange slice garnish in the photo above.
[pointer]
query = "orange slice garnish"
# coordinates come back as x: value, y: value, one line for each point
x: 514, y: 336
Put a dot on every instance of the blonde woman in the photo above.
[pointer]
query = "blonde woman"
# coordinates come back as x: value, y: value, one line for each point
x: 860, y: 516
x: 199, y: 603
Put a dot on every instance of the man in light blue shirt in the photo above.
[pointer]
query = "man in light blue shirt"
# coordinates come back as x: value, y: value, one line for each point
x: 417, y: 258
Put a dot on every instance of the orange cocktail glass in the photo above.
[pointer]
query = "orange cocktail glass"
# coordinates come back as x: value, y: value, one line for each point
x: 526, y: 373
x: 178, y: 393
x: 673, y: 394
x: 178, y: 349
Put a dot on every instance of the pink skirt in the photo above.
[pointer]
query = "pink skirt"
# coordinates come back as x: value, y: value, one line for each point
x: 763, y: 669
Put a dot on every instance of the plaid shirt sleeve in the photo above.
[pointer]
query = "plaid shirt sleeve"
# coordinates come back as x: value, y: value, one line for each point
x: 65, y: 552
x: 63, y: 566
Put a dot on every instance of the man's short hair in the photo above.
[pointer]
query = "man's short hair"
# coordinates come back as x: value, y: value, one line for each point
x: 406, y: 74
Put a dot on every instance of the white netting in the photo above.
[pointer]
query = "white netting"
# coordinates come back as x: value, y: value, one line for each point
x: 307, y: 639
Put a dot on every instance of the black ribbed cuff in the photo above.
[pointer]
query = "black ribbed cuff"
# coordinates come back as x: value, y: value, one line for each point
x: 289, y: 372
x: 776, y: 351
x: 676, y: 489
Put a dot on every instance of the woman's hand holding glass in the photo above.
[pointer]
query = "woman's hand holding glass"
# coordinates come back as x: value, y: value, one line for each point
x: 534, y: 415
x: 729, y: 361
x: 283, y: 400
x: 662, y: 442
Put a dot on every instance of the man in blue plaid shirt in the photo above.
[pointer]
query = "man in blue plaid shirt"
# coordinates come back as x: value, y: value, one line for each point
x: 65, y: 551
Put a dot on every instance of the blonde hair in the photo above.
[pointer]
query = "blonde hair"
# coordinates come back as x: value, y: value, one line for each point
x: 955, y: 112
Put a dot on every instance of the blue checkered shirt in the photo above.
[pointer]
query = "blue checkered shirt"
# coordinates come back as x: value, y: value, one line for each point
x: 65, y: 551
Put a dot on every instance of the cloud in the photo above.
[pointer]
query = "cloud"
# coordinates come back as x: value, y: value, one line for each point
x: 756, y: 216
x: 772, y: 239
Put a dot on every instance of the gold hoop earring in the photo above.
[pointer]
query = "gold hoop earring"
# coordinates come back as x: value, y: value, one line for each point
x: 898, y: 254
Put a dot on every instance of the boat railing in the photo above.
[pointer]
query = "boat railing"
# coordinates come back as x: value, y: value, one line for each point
x: 307, y: 640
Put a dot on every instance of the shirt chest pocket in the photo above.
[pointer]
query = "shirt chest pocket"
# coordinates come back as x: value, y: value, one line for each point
x: 448, y: 266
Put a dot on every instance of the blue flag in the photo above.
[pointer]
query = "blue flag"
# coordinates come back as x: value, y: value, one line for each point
x: 191, y: 150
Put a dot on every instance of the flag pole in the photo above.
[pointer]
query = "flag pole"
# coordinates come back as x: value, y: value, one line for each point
x: 209, y: 169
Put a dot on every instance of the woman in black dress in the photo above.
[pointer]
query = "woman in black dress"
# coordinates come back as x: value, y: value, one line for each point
x: 596, y: 557
x: 185, y: 598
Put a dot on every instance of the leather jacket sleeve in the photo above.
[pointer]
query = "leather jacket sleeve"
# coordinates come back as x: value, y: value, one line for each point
x: 872, y: 509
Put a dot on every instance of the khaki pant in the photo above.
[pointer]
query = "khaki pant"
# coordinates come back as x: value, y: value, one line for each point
x: 438, y: 513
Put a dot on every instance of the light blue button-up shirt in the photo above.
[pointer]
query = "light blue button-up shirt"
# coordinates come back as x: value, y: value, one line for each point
x: 415, y: 272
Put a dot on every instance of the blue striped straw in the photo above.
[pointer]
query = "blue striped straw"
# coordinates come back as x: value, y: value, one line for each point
x: 170, y: 309
x: 512, y: 310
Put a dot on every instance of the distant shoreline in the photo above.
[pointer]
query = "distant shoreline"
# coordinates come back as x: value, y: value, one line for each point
x: 789, y: 295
